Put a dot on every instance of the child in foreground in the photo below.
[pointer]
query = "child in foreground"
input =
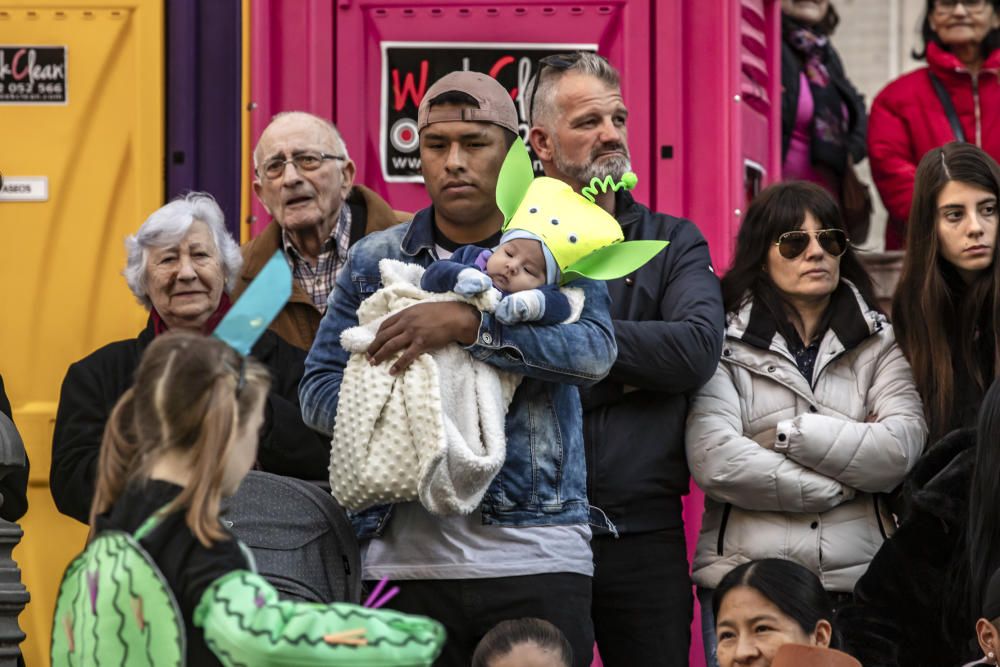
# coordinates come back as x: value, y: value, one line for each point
x: 163, y: 581
x: 522, y: 642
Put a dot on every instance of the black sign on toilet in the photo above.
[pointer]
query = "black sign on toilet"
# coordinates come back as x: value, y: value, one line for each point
x: 33, y: 74
x: 409, y: 69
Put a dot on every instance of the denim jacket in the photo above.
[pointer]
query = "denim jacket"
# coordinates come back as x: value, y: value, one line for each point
x: 543, y: 480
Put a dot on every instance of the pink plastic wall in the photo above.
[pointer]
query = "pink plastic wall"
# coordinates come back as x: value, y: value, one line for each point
x: 362, y: 26
x: 291, y: 67
x: 701, y: 78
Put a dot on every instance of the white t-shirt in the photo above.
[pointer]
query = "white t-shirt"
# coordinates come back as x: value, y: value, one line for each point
x: 419, y: 545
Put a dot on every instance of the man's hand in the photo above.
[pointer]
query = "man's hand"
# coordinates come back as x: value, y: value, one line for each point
x: 424, y: 327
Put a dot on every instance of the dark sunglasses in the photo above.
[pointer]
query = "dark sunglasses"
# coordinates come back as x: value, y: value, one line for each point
x: 559, y: 61
x: 793, y: 244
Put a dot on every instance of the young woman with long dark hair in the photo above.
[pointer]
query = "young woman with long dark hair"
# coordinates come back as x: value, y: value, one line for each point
x: 945, y: 310
x: 812, y: 412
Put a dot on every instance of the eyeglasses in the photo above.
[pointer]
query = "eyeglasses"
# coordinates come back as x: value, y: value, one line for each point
x: 308, y: 161
x: 792, y: 244
x: 561, y: 62
x: 949, y: 5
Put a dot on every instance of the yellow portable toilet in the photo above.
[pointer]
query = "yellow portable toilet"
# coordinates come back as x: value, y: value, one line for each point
x: 81, y: 153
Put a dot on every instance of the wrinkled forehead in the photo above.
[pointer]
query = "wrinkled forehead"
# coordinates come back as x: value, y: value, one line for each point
x: 574, y: 89
x: 291, y: 134
x: 194, y: 234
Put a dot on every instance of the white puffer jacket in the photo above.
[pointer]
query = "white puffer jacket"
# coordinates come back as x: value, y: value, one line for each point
x: 791, y: 470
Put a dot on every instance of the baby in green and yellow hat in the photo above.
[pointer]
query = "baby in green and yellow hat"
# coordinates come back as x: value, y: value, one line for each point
x: 551, y: 236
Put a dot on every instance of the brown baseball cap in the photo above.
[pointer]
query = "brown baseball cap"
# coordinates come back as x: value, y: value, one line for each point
x: 495, y: 104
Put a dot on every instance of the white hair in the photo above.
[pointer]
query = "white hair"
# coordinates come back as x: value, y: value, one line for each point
x: 169, y: 224
x: 338, y: 140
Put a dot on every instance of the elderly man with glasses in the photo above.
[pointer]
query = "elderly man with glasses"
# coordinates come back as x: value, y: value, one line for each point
x: 305, y: 180
x: 668, y: 321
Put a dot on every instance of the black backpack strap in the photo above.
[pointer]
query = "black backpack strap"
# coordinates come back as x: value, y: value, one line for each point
x: 949, y: 108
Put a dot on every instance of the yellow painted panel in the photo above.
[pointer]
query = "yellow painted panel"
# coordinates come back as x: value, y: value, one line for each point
x: 61, y: 260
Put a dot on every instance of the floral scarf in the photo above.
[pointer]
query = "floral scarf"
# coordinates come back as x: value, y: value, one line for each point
x: 830, y: 115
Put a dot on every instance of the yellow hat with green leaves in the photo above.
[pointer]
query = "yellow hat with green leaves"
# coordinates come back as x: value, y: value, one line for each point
x: 585, y: 240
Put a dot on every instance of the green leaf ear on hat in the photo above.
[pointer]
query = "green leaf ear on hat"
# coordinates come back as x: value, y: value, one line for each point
x: 613, y: 261
x: 514, y: 180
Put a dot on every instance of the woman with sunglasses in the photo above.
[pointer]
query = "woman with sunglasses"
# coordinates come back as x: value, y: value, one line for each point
x: 813, y: 410
x: 946, y: 308
x: 954, y: 98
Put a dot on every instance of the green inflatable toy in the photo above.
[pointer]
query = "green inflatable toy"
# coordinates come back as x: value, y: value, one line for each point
x: 115, y: 609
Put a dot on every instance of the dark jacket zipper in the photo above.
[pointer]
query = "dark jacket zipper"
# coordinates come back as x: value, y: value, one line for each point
x: 878, y: 517
x: 722, y: 526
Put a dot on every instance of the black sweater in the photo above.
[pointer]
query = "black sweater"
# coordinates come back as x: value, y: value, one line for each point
x: 669, y: 324
x: 94, y: 384
x: 186, y: 564
x: 901, y: 615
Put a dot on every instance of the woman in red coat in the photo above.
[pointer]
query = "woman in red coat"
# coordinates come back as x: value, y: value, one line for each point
x: 908, y: 118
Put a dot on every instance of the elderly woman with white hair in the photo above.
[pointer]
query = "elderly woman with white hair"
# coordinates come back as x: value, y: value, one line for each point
x: 182, y: 263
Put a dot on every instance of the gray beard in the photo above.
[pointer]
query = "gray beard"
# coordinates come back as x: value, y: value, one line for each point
x: 584, y: 173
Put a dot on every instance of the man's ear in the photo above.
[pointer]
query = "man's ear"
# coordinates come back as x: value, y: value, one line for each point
x: 989, y: 639
x: 347, y: 174
x: 257, y: 187
x: 823, y: 633
x: 542, y: 143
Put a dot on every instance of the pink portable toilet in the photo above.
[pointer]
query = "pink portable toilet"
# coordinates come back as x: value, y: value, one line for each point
x: 701, y: 78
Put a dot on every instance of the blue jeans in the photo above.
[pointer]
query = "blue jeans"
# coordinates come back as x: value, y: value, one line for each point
x: 708, y: 626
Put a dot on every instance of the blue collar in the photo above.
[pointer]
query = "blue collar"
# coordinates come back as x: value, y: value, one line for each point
x: 420, y: 235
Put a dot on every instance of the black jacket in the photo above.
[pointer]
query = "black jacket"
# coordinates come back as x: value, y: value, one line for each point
x: 95, y: 383
x: 187, y: 566
x: 791, y: 70
x: 669, y: 324
x: 900, y: 616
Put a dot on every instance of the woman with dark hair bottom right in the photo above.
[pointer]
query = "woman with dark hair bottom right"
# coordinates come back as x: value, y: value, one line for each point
x: 917, y: 604
x: 812, y: 412
x: 988, y: 624
x: 945, y: 310
x: 764, y: 605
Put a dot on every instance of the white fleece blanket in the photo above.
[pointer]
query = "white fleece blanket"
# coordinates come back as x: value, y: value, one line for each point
x: 433, y: 433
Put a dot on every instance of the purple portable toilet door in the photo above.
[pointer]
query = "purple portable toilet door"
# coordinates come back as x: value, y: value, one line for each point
x: 204, y: 75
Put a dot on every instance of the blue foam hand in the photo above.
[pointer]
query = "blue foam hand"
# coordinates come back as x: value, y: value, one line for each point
x: 526, y: 306
x: 472, y: 282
